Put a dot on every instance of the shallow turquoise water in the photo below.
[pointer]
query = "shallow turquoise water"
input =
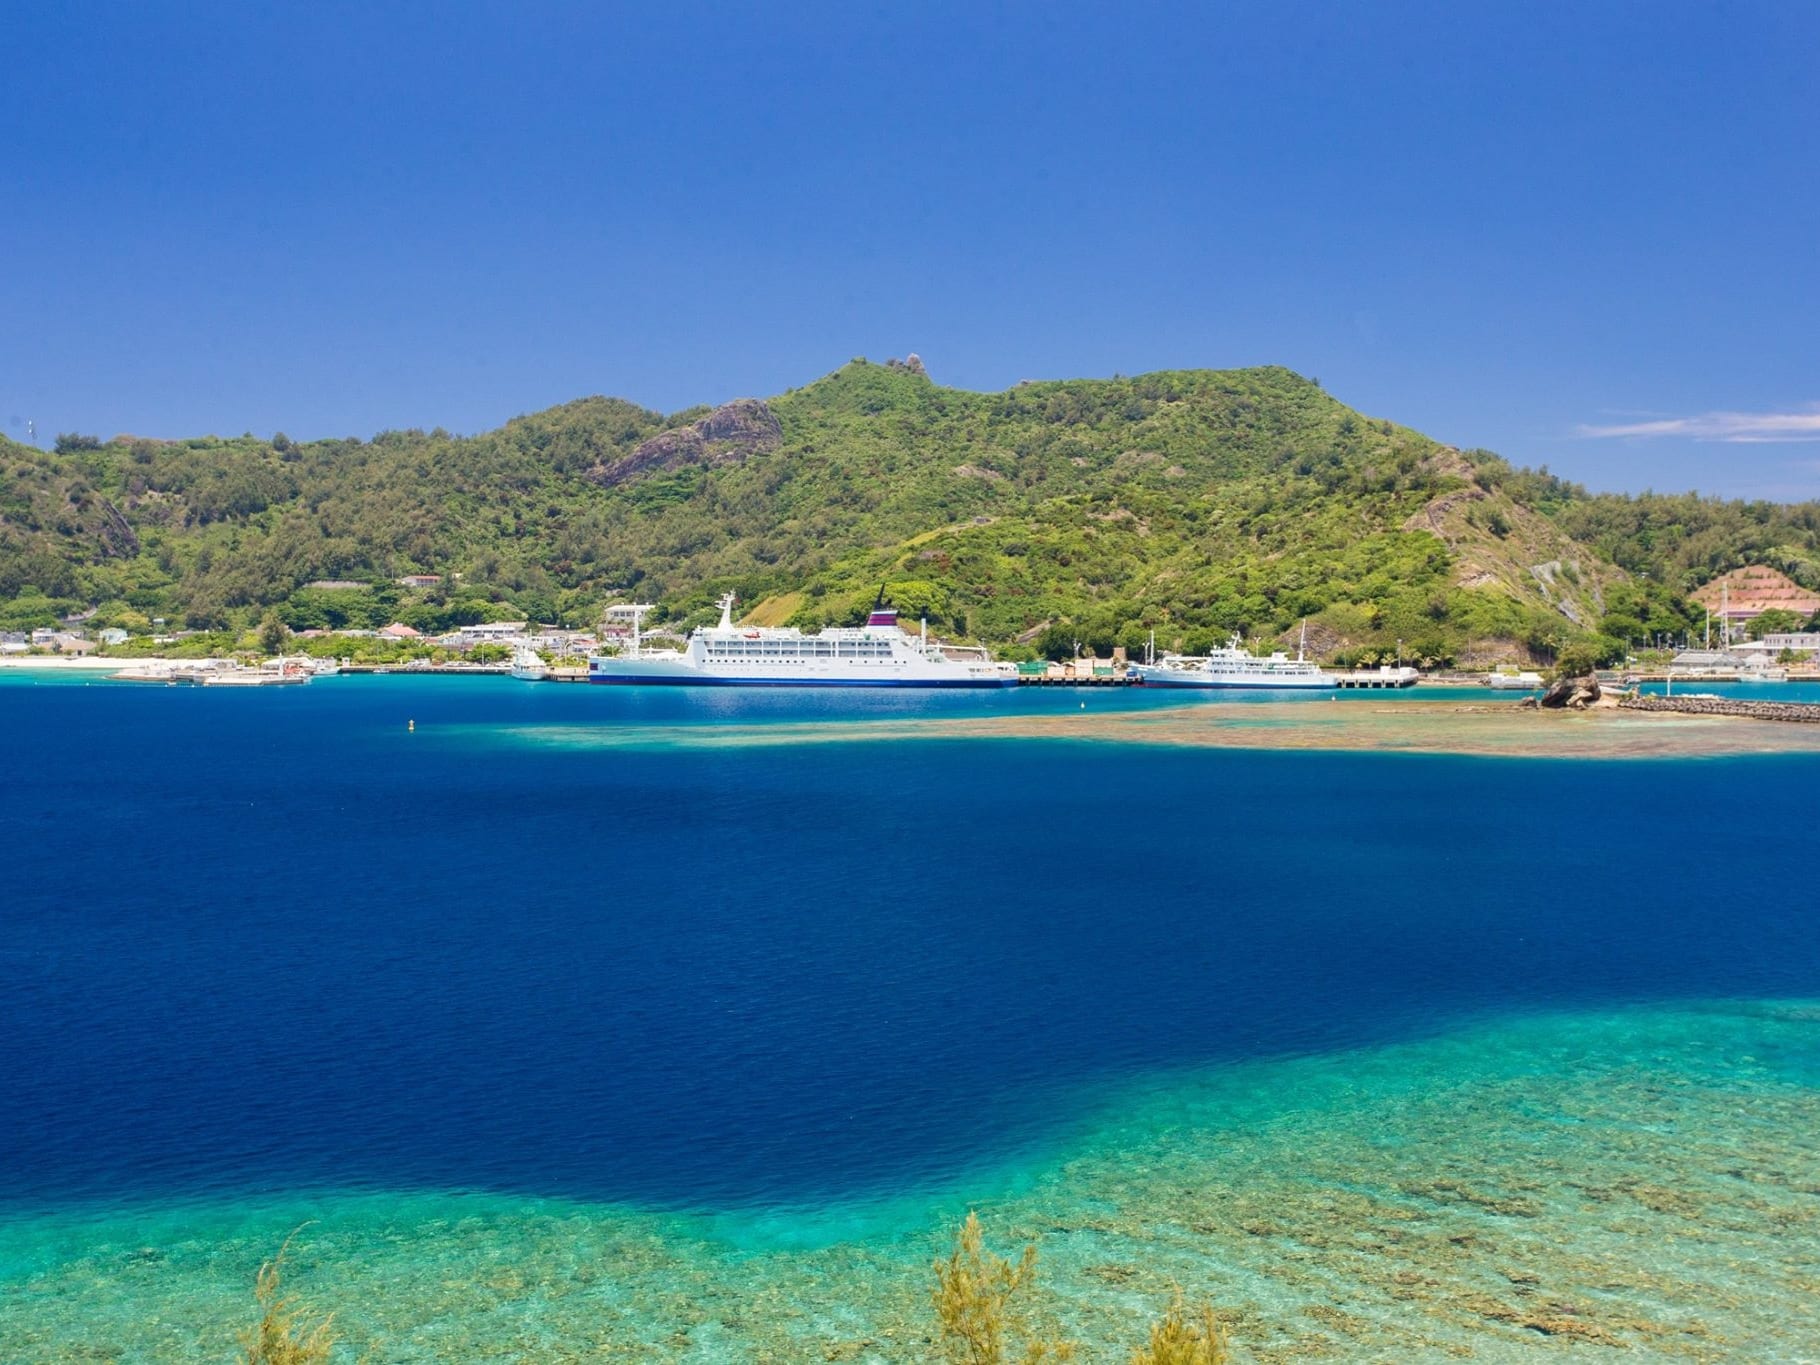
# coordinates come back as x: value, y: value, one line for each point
x: 1646, y: 1177
x: 699, y: 1053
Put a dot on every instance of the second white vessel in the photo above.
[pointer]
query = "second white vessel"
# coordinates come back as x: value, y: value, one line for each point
x: 1233, y: 666
x: 877, y: 654
x: 528, y: 665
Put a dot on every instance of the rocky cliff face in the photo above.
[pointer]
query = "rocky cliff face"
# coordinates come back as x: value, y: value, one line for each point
x: 114, y: 534
x: 731, y: 434
x: 1500, y: 544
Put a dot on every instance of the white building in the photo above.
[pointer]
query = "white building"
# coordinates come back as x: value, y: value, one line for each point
x: 1709, y: 661
x: 492, y: 632
x: 1808, y: 640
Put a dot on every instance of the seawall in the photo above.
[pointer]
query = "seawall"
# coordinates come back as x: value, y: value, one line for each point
x: 1806, y: 711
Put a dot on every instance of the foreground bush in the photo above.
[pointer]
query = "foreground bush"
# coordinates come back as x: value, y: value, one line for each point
x: 982, y: 1303
x: 983, y: 1306
x: 280, y: 1337
x: 1183, y: 1337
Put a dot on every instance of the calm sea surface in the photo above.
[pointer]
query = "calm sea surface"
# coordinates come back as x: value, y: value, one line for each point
x: 255, y: 944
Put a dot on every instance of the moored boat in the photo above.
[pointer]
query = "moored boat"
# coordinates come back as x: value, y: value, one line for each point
x: 1233, y: 666
x: 279, y: 672
x: 528, y: 665
x: 1502, y: 680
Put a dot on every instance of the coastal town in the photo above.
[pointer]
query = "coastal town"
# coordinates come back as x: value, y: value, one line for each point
x: 1760, y: 627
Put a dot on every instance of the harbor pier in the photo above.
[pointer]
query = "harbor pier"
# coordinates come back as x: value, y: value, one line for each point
x: 1382, y: 677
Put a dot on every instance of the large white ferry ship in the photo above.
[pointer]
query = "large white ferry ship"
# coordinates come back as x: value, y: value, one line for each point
x: 877, y: 654
x: 1233, y: 666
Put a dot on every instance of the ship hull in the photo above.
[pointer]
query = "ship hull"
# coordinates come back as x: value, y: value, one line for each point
x: 699, y: 681
x: 1205, y: 682
x: 1218, y: 685
x: 678, y: 673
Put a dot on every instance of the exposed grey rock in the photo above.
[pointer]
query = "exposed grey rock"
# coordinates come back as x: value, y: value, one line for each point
x: 1574, y: 693
x: 746, y: 424
x: 731, y: 434
x: 118, y: 539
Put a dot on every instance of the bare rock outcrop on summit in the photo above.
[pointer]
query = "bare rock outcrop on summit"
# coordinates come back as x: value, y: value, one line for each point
x: 731, y: 434
x: 745, y: 423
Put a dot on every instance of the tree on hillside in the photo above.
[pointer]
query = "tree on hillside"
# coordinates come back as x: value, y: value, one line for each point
x: 1577, y: 660
x: 1775, y: 621
x: 274, y: 635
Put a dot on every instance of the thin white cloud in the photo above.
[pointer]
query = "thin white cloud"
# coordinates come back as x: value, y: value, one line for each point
x: 1733, y: 428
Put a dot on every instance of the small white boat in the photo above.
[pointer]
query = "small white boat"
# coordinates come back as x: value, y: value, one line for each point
x: 1512, y: 681
x: 174, y: 671
x: 528, y: 665
x: 154, y: 671
x: 279, y: 672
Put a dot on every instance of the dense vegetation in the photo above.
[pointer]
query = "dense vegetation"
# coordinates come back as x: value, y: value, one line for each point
x: 1190, y: 503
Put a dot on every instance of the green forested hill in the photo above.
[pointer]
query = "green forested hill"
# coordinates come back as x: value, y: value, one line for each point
x: 1188, y: 502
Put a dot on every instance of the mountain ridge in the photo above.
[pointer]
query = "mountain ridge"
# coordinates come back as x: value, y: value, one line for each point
x: 1191, y: 502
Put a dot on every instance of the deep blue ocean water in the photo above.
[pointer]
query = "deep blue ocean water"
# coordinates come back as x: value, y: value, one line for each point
x: 270, y: 940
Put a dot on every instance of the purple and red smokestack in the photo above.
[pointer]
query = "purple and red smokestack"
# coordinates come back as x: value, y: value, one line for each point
x: 882, y: 616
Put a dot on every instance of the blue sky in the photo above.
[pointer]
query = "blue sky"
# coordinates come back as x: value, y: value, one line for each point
x: 1586, y: 236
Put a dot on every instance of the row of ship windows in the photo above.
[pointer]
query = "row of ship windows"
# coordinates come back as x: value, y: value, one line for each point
x: 846, y: 652
x: 773, y: 659
x: 798, y: 659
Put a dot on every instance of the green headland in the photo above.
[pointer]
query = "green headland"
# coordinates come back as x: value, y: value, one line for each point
x: 1190, y: 503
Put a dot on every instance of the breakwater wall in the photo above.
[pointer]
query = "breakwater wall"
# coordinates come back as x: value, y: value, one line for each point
x: 1727, y: 706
